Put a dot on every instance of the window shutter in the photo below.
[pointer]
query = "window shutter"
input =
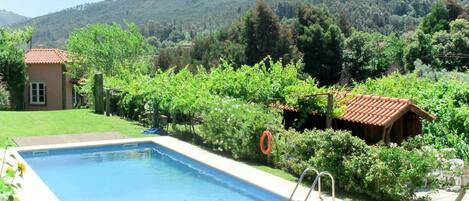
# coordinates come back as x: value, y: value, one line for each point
x: 45, y: 94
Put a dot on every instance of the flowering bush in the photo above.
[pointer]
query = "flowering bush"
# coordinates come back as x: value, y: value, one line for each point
x: 8, y: 174
x: 234, y: 126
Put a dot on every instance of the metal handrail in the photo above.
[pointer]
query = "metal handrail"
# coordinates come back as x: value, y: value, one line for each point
x: 301, y: 179
x: 318, y: 181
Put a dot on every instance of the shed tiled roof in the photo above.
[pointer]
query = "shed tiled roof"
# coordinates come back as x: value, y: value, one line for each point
x: 45, y: 56
x: 374, y: 110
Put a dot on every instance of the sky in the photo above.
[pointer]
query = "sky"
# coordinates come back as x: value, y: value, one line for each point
x: 34, y: 8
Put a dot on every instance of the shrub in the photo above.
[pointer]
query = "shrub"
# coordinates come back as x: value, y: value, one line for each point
x: 391, y: 173
x: 384, y: 173
x: 323, y: 150
x: 4, y: 98
x: 235, y: 126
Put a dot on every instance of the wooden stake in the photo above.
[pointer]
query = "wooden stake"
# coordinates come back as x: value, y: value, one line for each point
x: 108, y: 102
x: 98, y: 93
x: 330, y: 105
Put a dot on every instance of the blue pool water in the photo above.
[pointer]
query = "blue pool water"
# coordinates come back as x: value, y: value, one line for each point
x: 131, y: 172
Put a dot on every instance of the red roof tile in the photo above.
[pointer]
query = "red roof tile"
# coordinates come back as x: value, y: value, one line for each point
x: 373, y: 110
x: 45, y: 56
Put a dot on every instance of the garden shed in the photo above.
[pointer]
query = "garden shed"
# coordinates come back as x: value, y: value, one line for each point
x: 372, y: 118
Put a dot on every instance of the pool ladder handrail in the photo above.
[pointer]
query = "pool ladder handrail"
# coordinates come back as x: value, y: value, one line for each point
x: 317, y: 181
x: 301, y: 179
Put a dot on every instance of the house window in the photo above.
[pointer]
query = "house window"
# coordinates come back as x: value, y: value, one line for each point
x: 37, y: 93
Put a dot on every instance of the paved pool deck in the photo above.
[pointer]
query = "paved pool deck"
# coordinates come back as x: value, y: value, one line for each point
x: 67, y: 138
x: 34, y: 189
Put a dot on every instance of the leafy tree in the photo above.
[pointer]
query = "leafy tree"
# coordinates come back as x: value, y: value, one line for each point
x: 173, y: 57
x: 12, y: 67
x: 321, y: 42
x: 344, y: 23
x: 357, y: 55
x: 451, y: 47
x: 262, y: 33
x: 226, y: 43
x: 107, y: 48
x: 419, y: 47
x: 437, y: 20
x: 207, y: 52
x: 368, y: 55
x: 286, y: 45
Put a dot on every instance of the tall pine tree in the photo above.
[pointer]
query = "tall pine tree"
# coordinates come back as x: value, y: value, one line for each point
x: 321, y: 42
x: 262, y: 33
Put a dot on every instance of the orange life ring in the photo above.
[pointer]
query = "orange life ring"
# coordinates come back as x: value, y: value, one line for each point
x: 266, y: 150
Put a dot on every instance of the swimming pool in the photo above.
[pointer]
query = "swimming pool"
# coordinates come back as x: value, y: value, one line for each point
x: 136, y: 171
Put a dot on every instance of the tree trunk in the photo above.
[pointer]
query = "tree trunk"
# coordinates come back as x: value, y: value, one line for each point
x: 461, y: 194
x: 16, y: 99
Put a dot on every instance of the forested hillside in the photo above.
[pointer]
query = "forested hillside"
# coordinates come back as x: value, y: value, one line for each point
x: 53, y: 29
x: 385, y: 16
x: 7, y: 18
x: 189, y: 17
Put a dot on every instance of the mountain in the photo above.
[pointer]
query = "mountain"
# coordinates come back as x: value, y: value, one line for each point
x: 8, y: 18
x: 53, y: 29
x: 195, y: 16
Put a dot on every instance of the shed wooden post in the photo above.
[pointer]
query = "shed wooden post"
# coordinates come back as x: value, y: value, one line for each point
x: 330, y: 105
x: 64, y: 89
x: 98, y: 93
x: 108, y: 102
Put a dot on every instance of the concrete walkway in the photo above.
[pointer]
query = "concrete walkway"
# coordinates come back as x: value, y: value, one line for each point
x: 442, y: 195
x: 68, y: 138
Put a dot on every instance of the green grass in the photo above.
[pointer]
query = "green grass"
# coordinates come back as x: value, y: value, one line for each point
x: 62, y: 122
x: 277, y: 172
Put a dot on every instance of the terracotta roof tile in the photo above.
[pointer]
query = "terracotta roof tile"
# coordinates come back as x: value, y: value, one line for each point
x: 45, y: 56
x: 373, y: 110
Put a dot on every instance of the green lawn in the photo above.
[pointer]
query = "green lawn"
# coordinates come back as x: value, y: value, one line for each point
x: 62, y: 122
